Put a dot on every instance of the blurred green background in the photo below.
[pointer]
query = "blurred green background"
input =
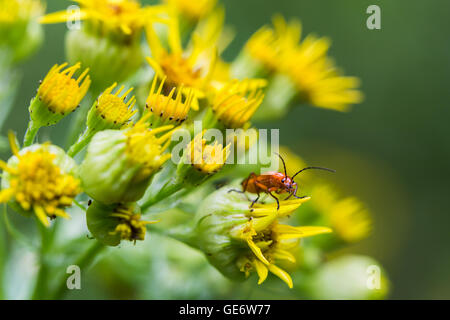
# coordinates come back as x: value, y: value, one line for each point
x: 391, y: 151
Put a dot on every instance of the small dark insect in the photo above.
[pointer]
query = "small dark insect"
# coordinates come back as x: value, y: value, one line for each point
x: 273, y: 182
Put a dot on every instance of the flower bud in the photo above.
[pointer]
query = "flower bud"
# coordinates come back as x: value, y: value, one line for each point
x: 20, y: 33
x: 106, y: 58
x: 166, y: 109
x: 110, y: 224
x: 109, y: 111
x: 238, y: 239
x: 39, y: 179
x: 109, y: 40
x: 58, y: 95
x: 119, y: 165
x: 235, y: 104
x: 198, y: 163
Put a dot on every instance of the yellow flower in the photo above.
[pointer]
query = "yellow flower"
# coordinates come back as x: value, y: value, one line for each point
x: 12, y: 11
x: 130, y: 226
x: 347, y: 216
x: 211, y: 38
x: 113, y: 108
x: 318, y: 80
x: 268, y: 44
x: 60, y: 92
x: 124, y: 16
x: 181, y: 68
x: 193, y: 10
x: 269, y: 241
x: 146, y: 148
x: 34, y: 180
x: 206, y: 158
x: 165, y: 109
x: 236, y: 102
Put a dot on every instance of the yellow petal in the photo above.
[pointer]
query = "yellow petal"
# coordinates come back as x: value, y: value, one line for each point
x: 280, y: 273
x: 283, y: 255
x: 256, y: 250
x: 263, y: 223
x: 261, y: 270
x: 289, y: 232
x: 41, y: 215
x: 63, y: 16
x: 13, y: 143
x: 6, y: 195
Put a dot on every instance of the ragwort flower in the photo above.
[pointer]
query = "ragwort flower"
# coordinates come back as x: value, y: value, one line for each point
x: 39, y: 179
x: 19, y: 31
x: 238, y: 239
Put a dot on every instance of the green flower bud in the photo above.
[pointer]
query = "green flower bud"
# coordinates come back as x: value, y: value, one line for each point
x: 111, y: 224
x: 107, y: 58
x: 349, y: 277
x: 119, y: 165
x: 20, y: 33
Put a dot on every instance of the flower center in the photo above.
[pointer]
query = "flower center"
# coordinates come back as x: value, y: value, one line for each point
x: 179, y: 71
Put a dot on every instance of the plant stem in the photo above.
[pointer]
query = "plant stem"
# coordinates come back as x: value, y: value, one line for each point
x: 81, y: 143
x: 40, y: 288
x: 83, y: 262
x: 169, y: 189
x: 80, y: 117
x: 30, y: 134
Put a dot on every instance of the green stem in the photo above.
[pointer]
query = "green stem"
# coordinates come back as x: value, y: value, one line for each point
x: 30, y: 134
x: 174, y: 185
x: 14, y: 233
x: 83, y: 262
x: 183, y: 234
x: 84, y: 139
x: 80, y: 117
x: 40, y: 288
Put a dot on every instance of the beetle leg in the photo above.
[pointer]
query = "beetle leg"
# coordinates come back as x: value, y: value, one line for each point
x: 254, y: 201
x: 239, y: 191
x: 235, y: 190
x: 278, y: 201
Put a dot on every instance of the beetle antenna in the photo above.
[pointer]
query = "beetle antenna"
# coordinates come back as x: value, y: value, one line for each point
x: 284, y: 164
x: 318, y: 168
